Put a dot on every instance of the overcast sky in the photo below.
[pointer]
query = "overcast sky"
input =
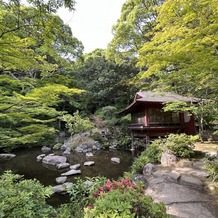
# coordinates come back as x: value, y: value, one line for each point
x: 92, y: 21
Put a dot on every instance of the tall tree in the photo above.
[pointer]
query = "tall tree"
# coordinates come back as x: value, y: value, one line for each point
x: 106, y: 83
x: 35, y: 41
x: 138, y: 17
x: 183, y: 52
x: 31, y: 118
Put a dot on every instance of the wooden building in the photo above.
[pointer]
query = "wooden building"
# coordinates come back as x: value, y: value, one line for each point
x: 148, y: 120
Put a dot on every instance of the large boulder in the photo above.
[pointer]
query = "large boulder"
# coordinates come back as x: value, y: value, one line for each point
x: 54, y: 160
x: 168, y: 159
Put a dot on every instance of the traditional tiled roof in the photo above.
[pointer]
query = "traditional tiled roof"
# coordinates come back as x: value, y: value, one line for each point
x: 148, y: 96
x: 157, y: 97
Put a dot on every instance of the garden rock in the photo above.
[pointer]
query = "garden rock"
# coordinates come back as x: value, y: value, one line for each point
x: 89, y: 163
x: 181, y: 187
x: 7, y: 156
x: 184, y: 163
x: 63, y: 147
x: 54, y: 160
x: 140, y: 178
x: 97, y: 146
x: 199, y: 165
x: 191, y: 181
x: 62, y: 165
x: 66, y: 152
x: 168, y: 159
x: 61, y: 179
x: 71, y: 172
x: 115, y: 160
x: 62, y: 188
x: 75, y: 166
x: 83, y: 148
x: 148, y: 169
x: 45, y: 149
x: 39, y: 157
x: 89, y: 154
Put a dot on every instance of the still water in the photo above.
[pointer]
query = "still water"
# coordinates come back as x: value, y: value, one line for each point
x: 25, y: 163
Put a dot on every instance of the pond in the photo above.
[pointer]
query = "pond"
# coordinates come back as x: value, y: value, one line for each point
x: 25, y: 163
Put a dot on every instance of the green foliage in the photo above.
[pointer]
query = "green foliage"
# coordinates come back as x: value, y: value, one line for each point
x: 23, y: 198
x: 80, y: 194
x: 123, y: 199
x: 29, y: 115
x: 76, y: 124
x: 182, y: 53
x: 106, y: 83
x: 151, y: 154
x: 34, y: 40
x: 212, y: 167
x: 137, y: 18
x: 190, y: 21
x: 180, y: 145
x: 109, y: 115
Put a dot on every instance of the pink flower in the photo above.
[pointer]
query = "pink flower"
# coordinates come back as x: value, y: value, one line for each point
x: 109, y: 185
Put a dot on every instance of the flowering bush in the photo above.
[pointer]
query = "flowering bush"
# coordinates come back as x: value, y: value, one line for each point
x: 123, y: 199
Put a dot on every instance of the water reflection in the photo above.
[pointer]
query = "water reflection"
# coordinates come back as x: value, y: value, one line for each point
x: 25, y: 163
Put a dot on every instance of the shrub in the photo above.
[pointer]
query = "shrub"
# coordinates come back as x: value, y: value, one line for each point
x: 76, y: 124
x: 123, y: 199
x: 212, y: 167
x: 180, y: 145
x: 79, y: 195
x: 152, y: 154
x: 23, y: 198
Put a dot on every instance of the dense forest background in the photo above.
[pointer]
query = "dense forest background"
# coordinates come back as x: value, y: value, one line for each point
x: 158, y: 45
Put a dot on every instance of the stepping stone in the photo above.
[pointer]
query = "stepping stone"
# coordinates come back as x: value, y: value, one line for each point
x: 71, y: 172
x: 61, y: 179
x: 62, y: 165
x: 54, y: 159
x: 115, y: 160
x: 89, y: 163
x: 75, y: 166
x: 62, y: 188
x: 89, y: 154
x: 7, y: 156
x: 191, y: 182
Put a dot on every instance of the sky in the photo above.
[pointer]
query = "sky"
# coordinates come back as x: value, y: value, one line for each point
x: 92, y: 21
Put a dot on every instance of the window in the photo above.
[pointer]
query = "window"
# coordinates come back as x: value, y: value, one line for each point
x: 159, y: 116
x: 138, y: 117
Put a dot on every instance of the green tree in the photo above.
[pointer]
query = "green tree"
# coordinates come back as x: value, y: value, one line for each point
x: 138, y: 17
x: 106, y: 83
x: 29, y: 118
x: 34, y: 42
x: 182, y: 54
x: 76, y: 124
x: 183, y: 48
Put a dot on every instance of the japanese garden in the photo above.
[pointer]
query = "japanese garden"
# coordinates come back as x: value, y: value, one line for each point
x: 126, y: 131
